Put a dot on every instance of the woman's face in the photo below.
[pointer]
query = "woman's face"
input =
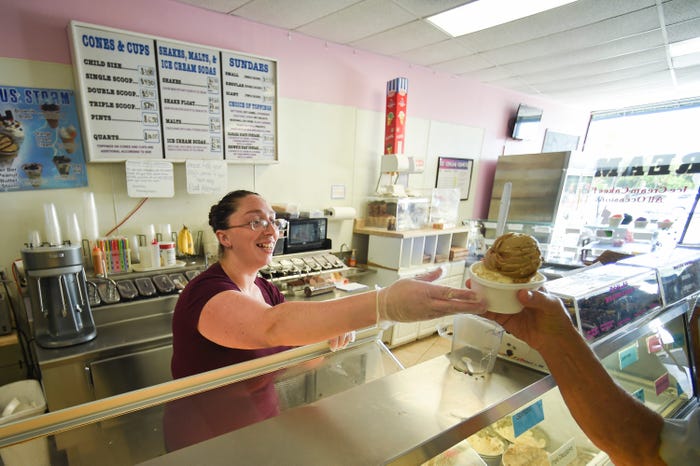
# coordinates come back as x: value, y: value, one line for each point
x: 252, y: 247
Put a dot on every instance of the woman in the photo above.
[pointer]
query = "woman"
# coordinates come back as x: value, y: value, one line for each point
x: 229, y: 314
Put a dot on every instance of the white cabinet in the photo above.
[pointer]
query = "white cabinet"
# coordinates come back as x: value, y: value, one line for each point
x: 394, y: 255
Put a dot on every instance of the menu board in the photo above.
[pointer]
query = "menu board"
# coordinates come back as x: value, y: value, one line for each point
x: 145, y: 97
x: 118, y: 94
x: 250, y: 109
x: 190, y: 95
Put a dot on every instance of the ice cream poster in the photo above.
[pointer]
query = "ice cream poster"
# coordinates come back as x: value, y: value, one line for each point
x: 40, y: 141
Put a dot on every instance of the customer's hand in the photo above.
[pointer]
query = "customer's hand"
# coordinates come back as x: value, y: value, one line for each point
x: 544, y: 319
x: 410, y: 300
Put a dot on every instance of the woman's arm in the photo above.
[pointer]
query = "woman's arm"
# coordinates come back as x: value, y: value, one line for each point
x: 235, y: 320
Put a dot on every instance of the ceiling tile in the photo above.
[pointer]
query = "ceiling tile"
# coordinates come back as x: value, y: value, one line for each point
x: 582, y: 57
x: 290, y: 14
x: 360, y: 20
x: 677, y: 11
x: 683, y: 31
x: 402, y: 38
x: 435, y: 53
x: 424, y: 8
x: 222, y: 6
x: 463, y: 65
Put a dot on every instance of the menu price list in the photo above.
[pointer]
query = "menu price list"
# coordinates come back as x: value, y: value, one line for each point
x: 146, y: 97
x: 190, y: 101
x: 250, y: 111
x: 120, y: 102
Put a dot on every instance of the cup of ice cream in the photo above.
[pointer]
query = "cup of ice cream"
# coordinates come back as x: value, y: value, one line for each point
x: 33, y: 172
x: 489, y: 445
x: 640, y: 222
x: 510, y: 264
x: 615, y: 220
x: 68, y: 135
x: 51, y: 113
x: 11, y: 137
x: 665, y: 224
x: 63, y: 165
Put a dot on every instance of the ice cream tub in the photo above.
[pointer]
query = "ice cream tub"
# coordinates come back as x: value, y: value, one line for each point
x: 500, y: 296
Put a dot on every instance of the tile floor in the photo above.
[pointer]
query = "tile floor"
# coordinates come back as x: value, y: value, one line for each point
x: 422, y: 350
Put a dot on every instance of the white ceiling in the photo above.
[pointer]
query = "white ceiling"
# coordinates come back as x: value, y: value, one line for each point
x: 593, y: 54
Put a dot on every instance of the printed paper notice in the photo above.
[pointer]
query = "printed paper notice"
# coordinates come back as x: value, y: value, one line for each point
x: 206, y: 176
x: 149, y: 178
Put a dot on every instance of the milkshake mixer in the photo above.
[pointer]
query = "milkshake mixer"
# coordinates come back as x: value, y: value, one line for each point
x: 58, y: 295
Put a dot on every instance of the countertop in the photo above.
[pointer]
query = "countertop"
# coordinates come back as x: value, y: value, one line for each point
x: 397, y: 417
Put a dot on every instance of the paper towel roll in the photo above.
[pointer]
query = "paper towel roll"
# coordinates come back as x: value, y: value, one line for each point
x: 341, y: 213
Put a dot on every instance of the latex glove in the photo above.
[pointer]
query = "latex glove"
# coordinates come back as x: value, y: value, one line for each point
x: 341, y: 341
x: 410, y: 300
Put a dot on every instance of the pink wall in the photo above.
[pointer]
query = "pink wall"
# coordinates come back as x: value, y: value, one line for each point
x: 309, y: 69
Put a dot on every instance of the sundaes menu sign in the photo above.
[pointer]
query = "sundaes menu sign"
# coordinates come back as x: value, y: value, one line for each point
x: 148, y: 98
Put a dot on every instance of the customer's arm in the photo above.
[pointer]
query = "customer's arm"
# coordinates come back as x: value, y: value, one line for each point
x: 616, y: 422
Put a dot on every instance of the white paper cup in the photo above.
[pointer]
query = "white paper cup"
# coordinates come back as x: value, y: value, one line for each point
x: 502, y: 297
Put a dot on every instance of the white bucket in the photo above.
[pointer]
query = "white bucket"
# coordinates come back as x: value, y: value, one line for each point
x: 20, y: 400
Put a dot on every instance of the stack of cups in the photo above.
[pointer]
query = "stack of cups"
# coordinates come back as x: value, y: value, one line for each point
x: 51, y: 225
x: 149, y: 251
x: 74, y: 235
x: 90, y: 212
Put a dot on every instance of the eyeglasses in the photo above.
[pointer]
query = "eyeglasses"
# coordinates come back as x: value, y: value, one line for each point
x: 262, y: 224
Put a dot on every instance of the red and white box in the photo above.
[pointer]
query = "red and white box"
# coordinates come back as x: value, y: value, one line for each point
x: 395, y: 121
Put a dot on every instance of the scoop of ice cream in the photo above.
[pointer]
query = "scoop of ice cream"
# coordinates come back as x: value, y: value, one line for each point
x: 67, y: 133
x: 514, y: 255
x: 11, y: 127
x: 487, y: 443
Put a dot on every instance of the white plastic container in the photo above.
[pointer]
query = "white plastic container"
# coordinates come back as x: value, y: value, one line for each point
x: 167, y: 254
x: 502, y: 297
x: 20, y: 400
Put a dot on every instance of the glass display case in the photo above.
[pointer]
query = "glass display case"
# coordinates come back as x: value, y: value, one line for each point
x: 398, y: 213
x: 677, y: 270
x: 651, y: 359
x: 602, y: 299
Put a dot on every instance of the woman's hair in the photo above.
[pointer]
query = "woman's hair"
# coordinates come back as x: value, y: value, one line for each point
x: 219, y: 212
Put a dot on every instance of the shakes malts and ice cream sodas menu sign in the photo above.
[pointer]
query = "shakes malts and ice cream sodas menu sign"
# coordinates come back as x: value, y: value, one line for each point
x: 191, y: 101
x: 147, y: 98
x: 41, y: 144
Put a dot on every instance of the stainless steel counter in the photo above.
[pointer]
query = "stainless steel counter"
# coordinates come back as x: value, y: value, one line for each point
x: 403, y: 418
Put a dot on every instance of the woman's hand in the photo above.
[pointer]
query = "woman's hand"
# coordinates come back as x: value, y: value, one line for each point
x: 410, y: 300
x: 341, y: 341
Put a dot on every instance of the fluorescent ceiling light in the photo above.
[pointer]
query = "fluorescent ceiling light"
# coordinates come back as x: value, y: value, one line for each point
x: 684, y: 47
x: 483, y: 14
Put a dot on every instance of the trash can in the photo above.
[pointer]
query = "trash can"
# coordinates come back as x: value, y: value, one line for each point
x: 20, y: 400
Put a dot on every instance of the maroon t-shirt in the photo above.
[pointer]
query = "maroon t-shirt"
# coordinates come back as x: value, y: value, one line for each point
x: 192, y: 353
x: 205, y: 415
